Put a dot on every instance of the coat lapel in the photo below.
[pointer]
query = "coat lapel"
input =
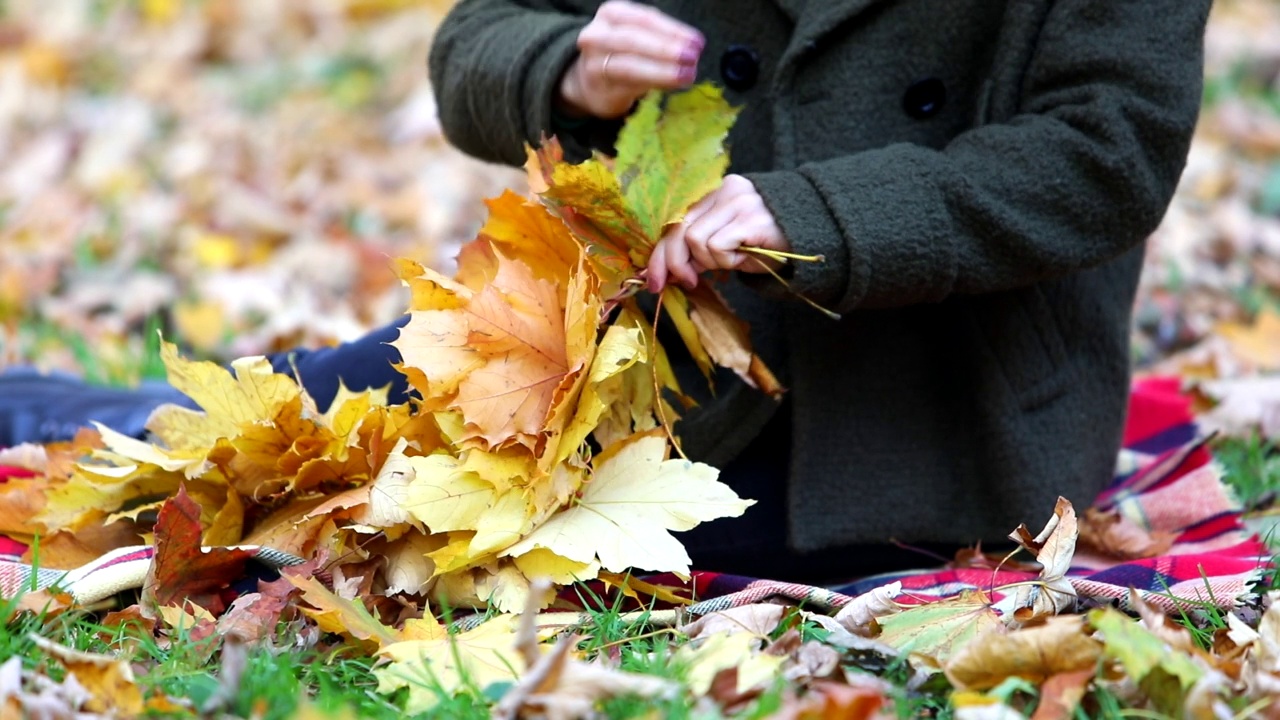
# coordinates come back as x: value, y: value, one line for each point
x: 815, y: 18
x: 793, y: 8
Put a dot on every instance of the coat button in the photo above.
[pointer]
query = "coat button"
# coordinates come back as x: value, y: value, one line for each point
x: 924, y: 98
x: 740, y: 67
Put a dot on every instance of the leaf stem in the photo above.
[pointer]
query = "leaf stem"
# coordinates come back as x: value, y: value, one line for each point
x: 782, y: 256
x: 787, y: 285
x: 657, y: 386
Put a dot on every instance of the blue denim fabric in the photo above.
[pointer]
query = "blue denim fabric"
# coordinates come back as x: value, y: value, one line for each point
x: 38, y: 407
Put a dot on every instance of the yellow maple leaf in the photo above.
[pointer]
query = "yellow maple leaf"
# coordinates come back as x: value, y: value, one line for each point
x: 669, y: 156
x: 503, y: 522
x: 620, y: 349
x: 409, y: 568
x: 635, y: 497
x: 254, y: 394
x: 434, y: 661
x: 541, y: 563
x: 191, y: 462
x: 339, y: 615
x: 444, y: 496
x: 525, y: 230
x: 721, y: 651
x: 503, y: 468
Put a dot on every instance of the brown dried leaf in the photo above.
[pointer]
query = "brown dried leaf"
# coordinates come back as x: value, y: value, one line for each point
x: 1060, y: 645
x: 859, y: 616
x: 758, y: 619
x: 1054, y: 547
x: 557, y: 686
x: 1173, y: 634
x: 108, y: 679
x: 1061, y: 695
x: 1107, y: 532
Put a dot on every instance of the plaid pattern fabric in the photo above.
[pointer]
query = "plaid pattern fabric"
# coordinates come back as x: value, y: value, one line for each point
x: 1165, y: 480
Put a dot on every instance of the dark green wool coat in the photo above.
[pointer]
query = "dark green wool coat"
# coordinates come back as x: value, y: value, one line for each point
x: 981, y: 176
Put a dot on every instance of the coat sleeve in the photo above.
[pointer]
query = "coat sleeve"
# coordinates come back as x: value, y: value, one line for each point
x: 495, y: 66
x: 1082, y: 171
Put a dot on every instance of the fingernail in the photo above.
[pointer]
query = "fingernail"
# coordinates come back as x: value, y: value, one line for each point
x: 699, y: 42
x: 688, y: 73
x: 690, y: 55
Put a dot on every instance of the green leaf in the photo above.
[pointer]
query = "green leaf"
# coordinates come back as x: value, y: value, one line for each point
x: 670, y: 158
x: 940, y: 628
x: 1139, y: 650
x: 1164, y: 674
x: 670, y: 155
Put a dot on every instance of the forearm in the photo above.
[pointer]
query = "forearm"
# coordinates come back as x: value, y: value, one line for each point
x: 495, y: 67
x: 1082, y: 171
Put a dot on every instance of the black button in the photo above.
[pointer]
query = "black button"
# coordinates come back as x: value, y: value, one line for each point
x: 925, y: 98
x: 740, y: 67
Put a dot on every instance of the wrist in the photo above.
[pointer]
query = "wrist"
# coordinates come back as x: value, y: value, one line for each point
x: 569, y: 101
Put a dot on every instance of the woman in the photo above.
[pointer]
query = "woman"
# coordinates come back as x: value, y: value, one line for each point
x: 980, y: 176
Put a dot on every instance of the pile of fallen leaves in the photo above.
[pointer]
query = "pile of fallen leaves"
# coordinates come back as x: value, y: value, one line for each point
x: 237, y: 172
x: 538, y: 444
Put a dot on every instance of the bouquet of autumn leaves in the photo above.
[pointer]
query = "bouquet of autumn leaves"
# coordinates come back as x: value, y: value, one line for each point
x: 540, y: 444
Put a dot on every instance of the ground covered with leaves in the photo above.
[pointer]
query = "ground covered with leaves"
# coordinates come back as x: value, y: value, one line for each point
x: 244, y: 176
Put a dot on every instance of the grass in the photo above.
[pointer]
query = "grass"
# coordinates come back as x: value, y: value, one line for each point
x: 1252, y: 468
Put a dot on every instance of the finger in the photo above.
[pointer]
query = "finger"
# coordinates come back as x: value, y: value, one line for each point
x: 620, y: 12
x: 677, y: 258
x: 656, y: 271
x: 724, y: 246
x: 619, y: 40
x: 640, y: 72
x: 704, y: 228
x: 755, y: 235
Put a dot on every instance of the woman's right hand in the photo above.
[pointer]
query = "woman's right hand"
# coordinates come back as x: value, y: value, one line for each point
x: 627, y: 50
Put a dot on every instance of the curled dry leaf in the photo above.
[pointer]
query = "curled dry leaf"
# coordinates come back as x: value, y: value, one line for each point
x: 811, y: 661
x: 860, y: 614
x: 839, y: 637
x: 862, y: 697
x: 1172, y: 634
x: 1054, y: 547
x: 1261, y: 672
x: 558, y: 686
x: 706, y: 658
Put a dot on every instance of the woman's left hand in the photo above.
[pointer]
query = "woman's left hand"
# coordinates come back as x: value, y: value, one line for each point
x: 712, y: 236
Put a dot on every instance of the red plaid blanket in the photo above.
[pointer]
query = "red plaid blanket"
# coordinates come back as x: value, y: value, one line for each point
x: 1165, y: 481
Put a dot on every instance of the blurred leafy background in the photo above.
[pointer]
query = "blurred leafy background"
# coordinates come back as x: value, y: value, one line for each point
x: 237, y: 173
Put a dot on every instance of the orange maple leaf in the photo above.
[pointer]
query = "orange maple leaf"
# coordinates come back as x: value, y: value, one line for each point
x: 505, y: 356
